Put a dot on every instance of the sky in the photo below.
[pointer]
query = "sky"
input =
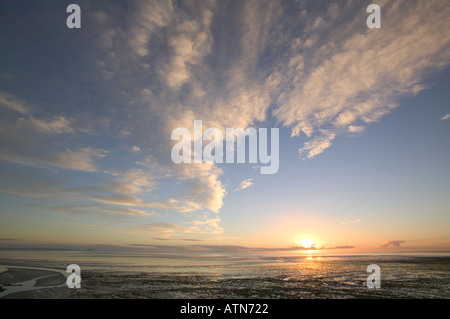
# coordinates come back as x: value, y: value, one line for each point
x: 86, y: 117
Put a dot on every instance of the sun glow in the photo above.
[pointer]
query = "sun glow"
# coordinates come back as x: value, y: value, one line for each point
x: 307, y: 243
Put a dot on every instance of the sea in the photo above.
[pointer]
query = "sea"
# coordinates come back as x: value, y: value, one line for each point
x: 109, y: 274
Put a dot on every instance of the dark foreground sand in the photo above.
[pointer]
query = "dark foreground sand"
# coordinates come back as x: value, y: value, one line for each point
x: 32, y: 283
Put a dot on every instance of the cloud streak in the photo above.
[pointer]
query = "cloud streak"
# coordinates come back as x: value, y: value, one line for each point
x: 345, y: 222
x: 244, y: 184
x: 394, y: 243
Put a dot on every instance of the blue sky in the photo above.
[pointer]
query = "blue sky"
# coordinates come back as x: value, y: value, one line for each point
x: 87, y: 115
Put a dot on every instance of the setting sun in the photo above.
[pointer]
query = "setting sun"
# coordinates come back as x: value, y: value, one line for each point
x: 307, y: 243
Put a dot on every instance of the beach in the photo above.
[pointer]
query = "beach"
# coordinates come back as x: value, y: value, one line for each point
x: 137, y: 275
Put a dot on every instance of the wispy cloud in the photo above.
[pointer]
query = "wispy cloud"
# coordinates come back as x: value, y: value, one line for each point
x: 177, y: 239
x: 12, y: 103
x: 346, y: 222
x: 163, y: 228
x: 57, y: 125
x: 395, y: 243
x: 26, y: 120
x: 99, y: 210
x: 26, y: 139
x: 318, y: 144
x: 339, y: 83
x: 81, y: 159
x: 244, y: 184
x: 191, y: 239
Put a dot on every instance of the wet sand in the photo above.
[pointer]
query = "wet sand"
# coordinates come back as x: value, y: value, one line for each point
x: 32, y: 283
x: 121, y: 276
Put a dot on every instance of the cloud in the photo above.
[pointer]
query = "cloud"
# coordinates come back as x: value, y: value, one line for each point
x: 147, y: 18
x: 204, y: 189
x: 356, y: 129
x: 163, y: 228
x: 28, y: 121
x: 161, y: 238
x: 192, y: 239
x: 113, y: 198
x: 57, y: 125
x: 353, y: 75
x: 445, y: 117
x: 176, y: 239
x: 135, y: 201
x: 99, y: 210
x: 26, y: 141
x: 244, y: 184
x: 135, y: 149
x: 395, y: 243
x: 208, y: 224
x: 346, y: 222
x: 13, y: 103
x: 81, y: 159
x: 134, y: 181
x: 318, y: 144
x: 191, y: 42
x: 40, y: 185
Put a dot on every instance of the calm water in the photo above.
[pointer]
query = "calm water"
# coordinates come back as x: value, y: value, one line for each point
x: 140, y: 275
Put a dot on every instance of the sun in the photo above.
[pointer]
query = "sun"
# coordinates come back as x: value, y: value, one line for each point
x: 307, y: 243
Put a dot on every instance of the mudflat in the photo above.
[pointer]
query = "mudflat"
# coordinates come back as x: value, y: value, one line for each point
x: 32, y: 283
